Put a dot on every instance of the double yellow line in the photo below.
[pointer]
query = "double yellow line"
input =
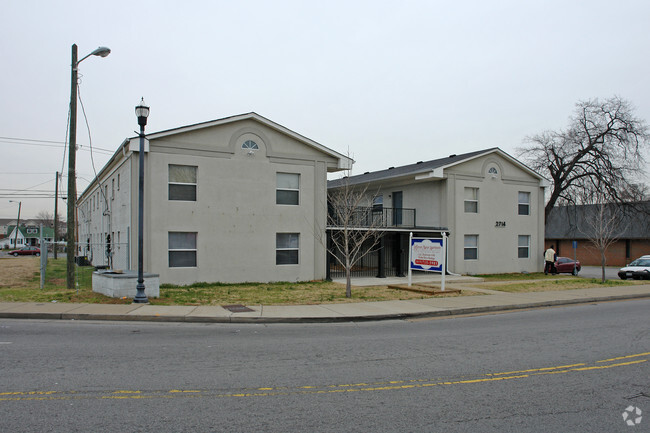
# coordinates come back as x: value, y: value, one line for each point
x: 327, y: 389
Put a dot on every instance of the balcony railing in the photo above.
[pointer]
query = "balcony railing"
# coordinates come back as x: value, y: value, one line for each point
x: 373, y: 217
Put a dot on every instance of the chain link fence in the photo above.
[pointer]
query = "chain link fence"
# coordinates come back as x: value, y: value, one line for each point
x: 88, y: 258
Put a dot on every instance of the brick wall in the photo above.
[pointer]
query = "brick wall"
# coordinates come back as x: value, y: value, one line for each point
x: 588, y: 255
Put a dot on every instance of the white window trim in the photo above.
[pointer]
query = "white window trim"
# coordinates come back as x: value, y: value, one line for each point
x: 288, y: 189
x: 195, y: 250
x: 287, y: 249
x: 195, y: 184
x: 527, y: 246
x: 465, y: 200
x: 473, y: 248
x: 520, y: 203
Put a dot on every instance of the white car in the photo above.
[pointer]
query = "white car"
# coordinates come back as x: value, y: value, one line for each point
x: 639, y: 269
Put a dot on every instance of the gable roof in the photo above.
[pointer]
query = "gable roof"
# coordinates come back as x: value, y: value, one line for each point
x: 31, y: 231
x: 344, y: 162
x: 427, y: 169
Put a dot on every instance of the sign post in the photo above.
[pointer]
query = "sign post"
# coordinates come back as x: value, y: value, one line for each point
x: 575, y: 256
x: 428, y: 254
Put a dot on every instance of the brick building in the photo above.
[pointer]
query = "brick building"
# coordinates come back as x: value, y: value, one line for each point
x: 630, y: 227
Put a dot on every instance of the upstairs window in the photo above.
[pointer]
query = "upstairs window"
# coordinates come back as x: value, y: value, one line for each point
x: 471, y: 200
x: 378, y: 203
x: 288, y: 189
x: 524, y: 203
x: 182, y: 182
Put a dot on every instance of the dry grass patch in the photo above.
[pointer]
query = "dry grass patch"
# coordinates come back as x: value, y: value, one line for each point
x: 566, y: 283
x: 18, y: 272
x: 284, y: 293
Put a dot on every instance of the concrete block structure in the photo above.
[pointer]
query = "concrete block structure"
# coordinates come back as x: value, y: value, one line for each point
x: 490, y: 205
x: 231, y: 200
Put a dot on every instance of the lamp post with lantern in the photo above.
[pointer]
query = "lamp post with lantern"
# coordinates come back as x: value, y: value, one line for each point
x: 141, y: 112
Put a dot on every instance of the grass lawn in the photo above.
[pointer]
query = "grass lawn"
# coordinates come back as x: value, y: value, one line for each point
x: 23, y: 286
x: 19, y: 282
x: 538, y: 282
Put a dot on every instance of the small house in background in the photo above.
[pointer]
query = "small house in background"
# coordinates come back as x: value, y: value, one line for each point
x: 231, y: 200
x: 490, y: 205
x: 28, y: 235
x: 629, y: 226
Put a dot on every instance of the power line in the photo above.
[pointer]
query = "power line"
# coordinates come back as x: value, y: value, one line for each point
x: 49, y: 143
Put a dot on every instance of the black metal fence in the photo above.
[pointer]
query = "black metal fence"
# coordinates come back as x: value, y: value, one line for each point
x: 372, y: 217
x: 386, y: 259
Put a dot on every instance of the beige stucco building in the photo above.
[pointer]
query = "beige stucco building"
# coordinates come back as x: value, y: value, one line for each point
x: 231, y: 200
x: 490, y: 205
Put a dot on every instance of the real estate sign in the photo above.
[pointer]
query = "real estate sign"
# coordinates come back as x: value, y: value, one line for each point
x: 428, y: 254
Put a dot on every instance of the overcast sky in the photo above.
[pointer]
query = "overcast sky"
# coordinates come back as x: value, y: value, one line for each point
x: 391, y: 83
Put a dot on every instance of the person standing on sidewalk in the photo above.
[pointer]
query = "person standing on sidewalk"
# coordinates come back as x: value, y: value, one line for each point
x: 549, y: 258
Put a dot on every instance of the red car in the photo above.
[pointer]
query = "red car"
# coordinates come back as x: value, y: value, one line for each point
x: 565, y: 265
x: 26, y: 251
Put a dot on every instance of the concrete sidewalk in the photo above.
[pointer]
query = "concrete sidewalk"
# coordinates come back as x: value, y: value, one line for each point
x: 491, y: 301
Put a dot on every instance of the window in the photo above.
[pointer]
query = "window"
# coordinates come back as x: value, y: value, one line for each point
x: 118, y: 181
x: 524, y: 203
x: 378, y: 203
x: 250, y: 144
x: 287, y: 247
x: 471, y: 200
x: 471, y: 247
x: 288, y: 189
x: 182, y: 249
x: 113, y: 189
x: 182, y: 182
x: 523, y: 245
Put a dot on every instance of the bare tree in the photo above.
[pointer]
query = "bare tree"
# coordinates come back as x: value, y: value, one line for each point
x: 603, y: 223
x: 45, y: 218
x: 355, y: 231
x: 603, y: 143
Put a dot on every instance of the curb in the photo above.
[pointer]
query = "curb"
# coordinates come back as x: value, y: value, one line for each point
x: 337, y: 319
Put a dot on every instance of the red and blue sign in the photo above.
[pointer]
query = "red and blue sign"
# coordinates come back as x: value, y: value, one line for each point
x: 427, y: 254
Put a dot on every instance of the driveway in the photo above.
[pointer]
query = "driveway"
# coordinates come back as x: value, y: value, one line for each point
x: 611, y: 272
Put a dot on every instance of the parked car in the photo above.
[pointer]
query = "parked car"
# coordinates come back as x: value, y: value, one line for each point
x: 565, y: 265
x: 26, y: 251
x: 638, y: 269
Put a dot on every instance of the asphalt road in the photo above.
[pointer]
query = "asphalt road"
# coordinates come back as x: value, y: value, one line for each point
x: 559, y: 369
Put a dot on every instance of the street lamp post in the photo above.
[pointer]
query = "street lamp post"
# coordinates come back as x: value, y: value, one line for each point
x: 17, y: 222
x: 72, y: 152
x: 142, y: 112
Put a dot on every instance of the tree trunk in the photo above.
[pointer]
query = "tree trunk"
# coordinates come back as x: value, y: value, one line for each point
x: 348, y: 276
x: 602, y: 264
x: 348, y: 284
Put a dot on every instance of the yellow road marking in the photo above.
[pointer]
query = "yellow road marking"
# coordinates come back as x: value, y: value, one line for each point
x: 323, y: 389
x: 600, y: 367
x: 532, y: 370
x: 625, y: 357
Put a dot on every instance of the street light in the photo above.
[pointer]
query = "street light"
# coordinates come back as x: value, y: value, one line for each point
x: 17, y: 221
x: 142, y: 112
x: 72, y: 152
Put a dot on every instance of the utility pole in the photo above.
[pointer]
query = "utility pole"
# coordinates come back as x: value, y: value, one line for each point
x: 72, y: 177
x: 72, y: 155
x: 56, y: 213
x: 20, y: 203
